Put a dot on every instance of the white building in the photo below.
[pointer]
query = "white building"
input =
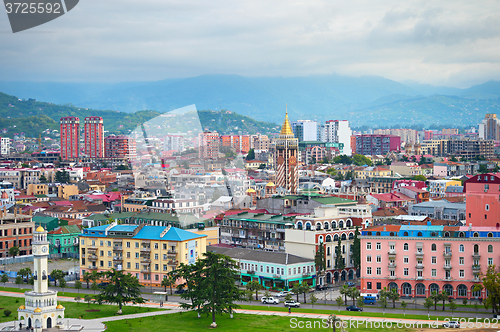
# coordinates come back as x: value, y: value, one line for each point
x: 305, y: 130
x: 339, y: 131
x: 4, y: 146
x: 173, y: 143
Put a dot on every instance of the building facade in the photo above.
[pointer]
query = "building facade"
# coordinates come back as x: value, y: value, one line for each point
x: 70, y: 137
x: 305, y: 130
x: 377, y: 144
x: 239, y: 143
x: 120, y: 147
x: 94, y: 137
x: 482, y: 193
x: 209, y: 143
x: 489, y: 128
x: 339, y: 131
x: 286, y: 156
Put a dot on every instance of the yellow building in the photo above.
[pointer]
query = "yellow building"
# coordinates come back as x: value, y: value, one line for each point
x: 67, y: 190
x: 147, y: 252
x: 37, y: 189
x: 212, y: 234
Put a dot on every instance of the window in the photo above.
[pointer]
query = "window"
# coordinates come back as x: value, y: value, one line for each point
x: 136, y: 255
x: 490, y: 261
x: 379, y: 259
x: 369, y: 285
x: 433, y: 272
x: 128, y: 265
x: 109, y: 264
x: 490, y: 248
x: 156, y: 256
x: 461, y: 274
x: 392, y: 273
x: 368, y: 246
x: 379, y: 271
x: 110, y: 254
x: 461, y: 248
x: 128, y: 254
x: 156, y: 245
x: 433, y: 247
x: 406, y: 260
x: 109, y: 243
x: 101, y: 243
x: 128, y: 244
x: 137, y: 265
x: 267, y: 269
x: 369, y: 259
x: 405, y: 271
x: 164, y: 267
x: 137, y: 244
x: 487, y: 207
x: 164, y: 246
x: 461, y: 260
x: 156, y: 267
x: 379, y: 246
x: 101, y: 253
x: 405, y: 247
x: 379, y: 285
x: 369, y: 270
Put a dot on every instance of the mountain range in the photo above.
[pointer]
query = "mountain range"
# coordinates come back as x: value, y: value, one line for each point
x: 369, y: 100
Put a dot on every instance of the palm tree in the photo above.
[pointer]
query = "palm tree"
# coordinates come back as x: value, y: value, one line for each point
x: 254, y: 286
x: 344, y: 291
x: 168, y: 281
x: 87, y: 278
x: 333, y: 319
x: 394, y: 296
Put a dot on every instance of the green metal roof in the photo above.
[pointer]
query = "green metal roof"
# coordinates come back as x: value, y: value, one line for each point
x: 333, y: 200
x: 43, y: 220
x: 102, y: 216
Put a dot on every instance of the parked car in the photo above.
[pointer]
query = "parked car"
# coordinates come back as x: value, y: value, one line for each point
x: 369, y: 299
x: 354, y: 308
x: 291, y: 304
x: 350, y: 284
x: 179, y: 291
x: 103, y: 284
x: 270, y: 300
x: 282, y: 294
x: 452, y: 324
x: 321, y: 287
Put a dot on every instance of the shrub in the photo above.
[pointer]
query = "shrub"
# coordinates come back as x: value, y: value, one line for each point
x: 17, y: 300
x: 7, y: 312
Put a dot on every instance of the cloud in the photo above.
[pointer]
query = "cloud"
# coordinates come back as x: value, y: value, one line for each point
x: 151, y: 39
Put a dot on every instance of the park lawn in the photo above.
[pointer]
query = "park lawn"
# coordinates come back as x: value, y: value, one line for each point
x: 188, y: 321
x: 73, y: 310
x: 23, y: 290
x: 346, y: 313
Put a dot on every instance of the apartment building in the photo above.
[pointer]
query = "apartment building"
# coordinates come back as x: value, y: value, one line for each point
x: 16, y: 230
x: 239, y: 143
x: 94, y: 137
x: 147, y: 252
x: 70, y: 137
x: 209, y: 143
x: 120, y: 147
x: 339, y: 131
x: 377, y: 144
x: 482, y: 193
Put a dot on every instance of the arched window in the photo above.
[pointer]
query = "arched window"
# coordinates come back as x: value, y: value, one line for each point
x: 328, y: 238
x: 326, y: 225
x: 461, y: 248
x: 462, y: 290
x: 446, y: 234
x: 318, y: 226
x: 334, y: 224
x: 490, y: 248
x: 320, y: 238
x: 476, y: 248
x: 433, y: 247
x: 308, y: 226
x: 476, y: 234
x: 405, y: 247
x: 351, y: 236
x: 490, y: 234
x: 348, y: 223
x: 461, y: 234
x: 344, y: 237
x: 487, y: 207
x: 341, y: 224
x: 336, y: 237
x: 405, y: 234
x: 378, y: 234
x: 433, y: 234
x: 299, y: 225
x: 391, y: 234
x: 419, y: 234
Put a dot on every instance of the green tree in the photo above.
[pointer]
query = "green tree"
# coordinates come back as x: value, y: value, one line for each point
x: 25, y: 273
x: 320, y: 261
x: 14, y: 251
x: 491, y: 282
x: 250, y: 155
x: 121, y: 288
x: 453, y: 306
x: 429, y: 302
x: 288, y: 297
x: 344, y: 290
x: 339, y: 260
x: 404, y: 305
x: 88, y: 299
x: 94, y: 287
x: 404, y: 158
x: 254, y: 286
x: 324, y: 160
x: 62, y: 284
x: 43, y: 179
x: 267, y: 293
x: 443, y: 296
x: 483, y: 168
x: 296, y: 290
x: 464, y: 301
x: 304, y: 288
x: 62, y: 176
x: 419, y: 178
x: 77, y: 300
x: 331, y: 171
x: 360, y: 160
x: 19, y: 281
x: 332, y: 321
x: 339, y: 301
x: 353, y: 294
x: 435, y: 298
x: 56, y: 275
x: 454, y: 159
x: 216, y: 290
x: 360, y: 301
x: 356, y: 250
x: 383, y: 295
x: 78, y: 286
x: 122, y: 168
x: 4, y: 278
x: 393, y: 296
x: 87, y: 277
x: 249, y: 296
x: 313, y: 300
x: 342, y: 159
x: 168, y: 281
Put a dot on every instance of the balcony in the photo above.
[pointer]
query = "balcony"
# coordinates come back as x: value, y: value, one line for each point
x: 172, y: 263
x: 392, y: 265
x: 392, y: 277
x: 93, y: 267
x: 250, y: 272
x: 448, y: 278
x: 419, y: 265
x: 276, y: 276
x: 145, y: 260
x: 419, y: 253
x: 172, y: 253
x: 447, y: 266
x: 447, y: 253
x: 419, y: 278
x: 476, y: 255
x: 392, y: 251
x: 117, y: 259
x: 146, y: 249
x: 117, y: 248
x: 476, y: 279
x: 92, y: 248
x: 92, y: 258
x: 476, y: 267
x: 145, y: 270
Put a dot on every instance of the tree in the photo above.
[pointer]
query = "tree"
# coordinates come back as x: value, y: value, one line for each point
x: 356, y: 250
x: 62, y: 177
x: 324, y: 160
x: 25, y: 273
x: 339, y: 301
x: 288, y: 297
x: 453, y: 306
x: 344, y: 290
x: 87, y: 277
x: 404, y: 305
x: 331, y: 171
x: 454, y: 159
x: 168, y: 281
x: 19, y: 281
x: 332, y: 320
x: 78, y: 286
x: 360, y: 301
x: 313, y: 300
x: 339, y: 260
x: 122, y: 168
x: 88, y: 299
x: 266, y: 293
x: 249, y: 296
x: 483, y: 168
x: 342, y: 159
x: 296, y: 290
x: 404, y: 158
x: 250, y: 155
x: 383, y: 302
x: 94, y: 286
x: 121, y: 288
x: 254, y: 286
x: 419, y: 178
x: 77, y: 300
x: 429, y: 302
x: 14, y: 251
x: 360, y: 160
x: 216, y: 291
x: 383, y: 294
x: 62, y: 284
x: 304, y: 288
x: 320, y: 260
x: 4, y: 278
x: 393, y: 296
x: 56, y: 275
x: 43, y: 179
x: 353, y: 294
x: 443, y: 296
x: 464, y: 301
x: 435, y: 298
x: 491, y: 282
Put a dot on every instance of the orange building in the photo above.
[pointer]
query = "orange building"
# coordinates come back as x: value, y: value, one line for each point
x: 240, y: 143
x: 16, y: 230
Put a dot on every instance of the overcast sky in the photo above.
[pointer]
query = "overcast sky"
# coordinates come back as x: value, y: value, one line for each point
x: 454, y: 43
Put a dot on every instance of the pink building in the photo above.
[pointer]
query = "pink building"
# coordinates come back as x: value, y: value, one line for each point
x: 418, y: 260
x: 482, y: 192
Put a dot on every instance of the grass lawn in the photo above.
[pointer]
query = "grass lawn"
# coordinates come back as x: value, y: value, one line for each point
x: 188, y: 321
x: 348, y: 313
x: 59, y: 293
x: 73, y: 310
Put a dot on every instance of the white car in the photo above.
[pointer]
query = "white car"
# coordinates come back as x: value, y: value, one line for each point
x: 291, y: 304
x: 282, y: 294
x: 270, y: 300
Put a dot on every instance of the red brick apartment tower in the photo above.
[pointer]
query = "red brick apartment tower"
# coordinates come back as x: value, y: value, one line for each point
x: 287, y: 158
x: 120, y: 147
x: 70, y: 137
x: 94, y: 137
x: 209, y: 143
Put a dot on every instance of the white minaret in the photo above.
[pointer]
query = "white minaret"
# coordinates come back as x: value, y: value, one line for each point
x: 40, y: 310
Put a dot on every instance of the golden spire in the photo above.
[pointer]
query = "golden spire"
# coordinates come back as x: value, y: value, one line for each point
x: 286, y: 129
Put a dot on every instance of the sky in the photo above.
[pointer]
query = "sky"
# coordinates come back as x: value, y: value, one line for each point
x: 452, y: 43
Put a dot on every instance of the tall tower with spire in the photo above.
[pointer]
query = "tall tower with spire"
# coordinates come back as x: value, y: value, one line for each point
x: 40, y: 309
x: 287, y: 173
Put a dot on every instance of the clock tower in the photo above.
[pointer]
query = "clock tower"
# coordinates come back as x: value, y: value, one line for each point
x: 287, y: 170
x: 40, y: 310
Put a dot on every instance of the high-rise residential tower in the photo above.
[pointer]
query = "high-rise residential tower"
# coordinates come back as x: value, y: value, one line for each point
x: 94, y: 137
x: 70, y: 137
